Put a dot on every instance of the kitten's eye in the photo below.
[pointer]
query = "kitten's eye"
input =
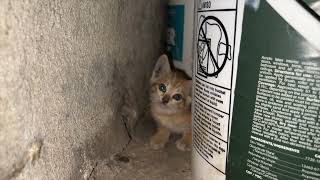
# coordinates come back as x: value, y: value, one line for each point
x: 177, y: 97
x: 162, y: 88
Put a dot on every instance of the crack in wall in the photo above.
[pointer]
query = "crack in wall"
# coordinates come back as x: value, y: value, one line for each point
x: 91, y: 177
x: 123, y: 118
x: 31, y: 155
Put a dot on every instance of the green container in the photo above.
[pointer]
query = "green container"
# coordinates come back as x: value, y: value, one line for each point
x: 256, y: 101
x: 275, y: 128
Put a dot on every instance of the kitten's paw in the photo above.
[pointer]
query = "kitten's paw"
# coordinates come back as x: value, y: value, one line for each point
x: 157, y: 143
x: 182, y: 145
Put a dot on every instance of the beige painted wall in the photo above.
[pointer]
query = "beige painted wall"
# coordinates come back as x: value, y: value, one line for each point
x: 71, y: 73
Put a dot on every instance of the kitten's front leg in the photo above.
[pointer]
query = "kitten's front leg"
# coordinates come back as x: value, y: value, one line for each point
x: 160, y: 139
x: 184, y: 144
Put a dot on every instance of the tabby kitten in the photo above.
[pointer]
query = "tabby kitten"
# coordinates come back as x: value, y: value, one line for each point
x: 170, y: 97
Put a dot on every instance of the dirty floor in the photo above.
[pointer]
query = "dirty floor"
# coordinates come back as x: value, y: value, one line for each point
x: 139, y: 162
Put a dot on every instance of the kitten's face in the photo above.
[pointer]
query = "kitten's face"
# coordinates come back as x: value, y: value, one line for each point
x: 169, y: 90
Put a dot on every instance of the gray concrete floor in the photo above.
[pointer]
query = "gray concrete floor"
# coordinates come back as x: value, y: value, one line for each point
x: 139, y: 162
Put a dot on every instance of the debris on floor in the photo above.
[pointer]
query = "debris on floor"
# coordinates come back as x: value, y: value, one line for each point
x: 139, y: 162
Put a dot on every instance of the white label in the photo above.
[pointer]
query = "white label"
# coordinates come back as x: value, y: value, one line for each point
x: 216, y: 56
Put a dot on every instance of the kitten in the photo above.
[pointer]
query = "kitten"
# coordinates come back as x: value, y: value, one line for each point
x: 170, y: 96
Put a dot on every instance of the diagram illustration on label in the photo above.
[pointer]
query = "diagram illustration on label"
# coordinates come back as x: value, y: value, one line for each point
x: 213, y: 46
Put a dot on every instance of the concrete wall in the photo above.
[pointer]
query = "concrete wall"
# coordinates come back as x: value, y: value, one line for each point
x: 72, y: 75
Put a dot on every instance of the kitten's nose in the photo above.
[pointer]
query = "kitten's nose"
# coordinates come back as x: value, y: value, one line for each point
x: 165, y: 99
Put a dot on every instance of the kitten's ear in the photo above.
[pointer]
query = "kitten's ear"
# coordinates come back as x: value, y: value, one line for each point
x: 161, y: 68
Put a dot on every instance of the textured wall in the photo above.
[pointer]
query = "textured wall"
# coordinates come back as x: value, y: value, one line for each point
x: 70, y: 73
